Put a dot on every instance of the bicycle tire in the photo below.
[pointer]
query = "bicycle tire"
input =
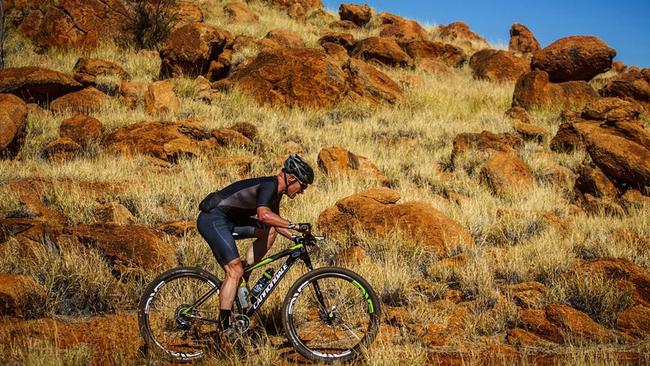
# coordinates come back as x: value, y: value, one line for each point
x: 149, y: 298
x: 347, y: 284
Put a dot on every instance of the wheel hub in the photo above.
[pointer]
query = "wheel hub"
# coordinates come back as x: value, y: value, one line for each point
x: 182, y: 320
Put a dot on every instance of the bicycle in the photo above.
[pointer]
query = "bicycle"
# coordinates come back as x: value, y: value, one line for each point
x: 329, y: 314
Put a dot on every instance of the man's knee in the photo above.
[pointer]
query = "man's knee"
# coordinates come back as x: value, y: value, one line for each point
x: 234, y: 269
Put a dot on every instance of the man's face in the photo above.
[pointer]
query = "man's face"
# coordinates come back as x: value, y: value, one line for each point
x: 295, y: 187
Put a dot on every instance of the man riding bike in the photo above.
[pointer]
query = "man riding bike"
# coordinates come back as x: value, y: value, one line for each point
x: 227, y: 215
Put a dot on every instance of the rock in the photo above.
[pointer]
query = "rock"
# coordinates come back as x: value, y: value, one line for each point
x: 85, y: 101
x: 284, y: 38
x: 30, y: 25
x: 631, y: 85
x: 533, y: 90
x: 635, y: 322
x: 507, y: 174
x: 522, y: 337
x: 625, y: 274
x: 228, y: 137
x: 594, y: 182
x: 375, y: 212
x: 81, y: 129
x: 241, y: 163
x: 634, y: 199
x: 522, y: 39
x: 161, y: 99
x: 86, y: 70
x: 336, y: 52
x: 404, y: 31
x: 433, y: 66
x: 611, y: 109
x: 309, y: 78
x: 21, y: 296
x: 568, y: 137
x: 163, y: 140
x: 13, y: 125
x: 346, y: 40
x: 497, y: 65
x: 459, y: 31
x: 619, y: 158
x: 130, y: 245
x: 384, y: 51
x: 343, y: 25
x: 186, y: 12
x: 190, y: 50
x: 115, y: 214
x: 247, y: 129
x: 633, y: 131
x: 420, y: 50
x: 337, y: 160
x: 85, y: 23
x: 282, y: 76
x: 177, y: 228
x: 36, y: 84
x: 530, y: 132
x: 598, y: 206
x: 577, y: 323
x: 536, y: 322
x: 574, y: 58
x: 619, y: 67
x: 62, y: 148
x: 240, y: 13
x: 99, y: 335
x: 132, y: 93
x: 485, y: 141
x: 528, y: 295
x: 297, y: 8
x: 358, y: 14
x: 370, y: 84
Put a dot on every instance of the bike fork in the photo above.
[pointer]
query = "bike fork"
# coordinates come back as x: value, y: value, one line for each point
x: 317, y: 291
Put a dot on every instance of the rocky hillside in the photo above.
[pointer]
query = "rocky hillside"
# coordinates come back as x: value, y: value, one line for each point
x: 497, y: 200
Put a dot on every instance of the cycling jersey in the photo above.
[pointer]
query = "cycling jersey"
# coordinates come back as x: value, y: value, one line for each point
x: 226, y: 215
x: 240, y: 200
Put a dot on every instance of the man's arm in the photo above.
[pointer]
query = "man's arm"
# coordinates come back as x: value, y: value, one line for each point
x: 268, y: 217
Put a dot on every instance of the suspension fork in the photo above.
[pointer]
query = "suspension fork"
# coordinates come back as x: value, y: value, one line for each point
x: 319, y: 295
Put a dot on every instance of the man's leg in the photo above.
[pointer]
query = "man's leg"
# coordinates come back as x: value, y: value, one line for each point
x: 261, y: 245
x: 217, y: 232
x: 234, y: 271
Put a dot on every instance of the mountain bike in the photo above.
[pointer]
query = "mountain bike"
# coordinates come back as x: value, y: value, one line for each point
x: 329, y: 314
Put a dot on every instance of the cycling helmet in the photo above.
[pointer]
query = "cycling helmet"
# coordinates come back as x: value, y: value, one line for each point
x: 298, y: 167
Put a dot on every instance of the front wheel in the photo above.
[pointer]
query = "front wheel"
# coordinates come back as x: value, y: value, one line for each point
x: 330, y: 314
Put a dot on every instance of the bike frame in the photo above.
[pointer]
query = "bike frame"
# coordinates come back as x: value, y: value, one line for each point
x: 294, y: 253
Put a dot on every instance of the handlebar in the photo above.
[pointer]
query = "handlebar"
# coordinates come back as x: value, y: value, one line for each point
x: 308, y: 239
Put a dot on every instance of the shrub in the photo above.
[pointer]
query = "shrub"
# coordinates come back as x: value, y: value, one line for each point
x: 150, y: 22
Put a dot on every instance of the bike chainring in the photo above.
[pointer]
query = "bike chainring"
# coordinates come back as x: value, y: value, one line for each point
x: 242, y: 323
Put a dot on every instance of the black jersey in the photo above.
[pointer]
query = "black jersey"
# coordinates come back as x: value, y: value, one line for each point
x: 241, y: 199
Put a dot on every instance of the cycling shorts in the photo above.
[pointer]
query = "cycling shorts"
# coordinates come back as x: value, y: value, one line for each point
x: 220, y: 233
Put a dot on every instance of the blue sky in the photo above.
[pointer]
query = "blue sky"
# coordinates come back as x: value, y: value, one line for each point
x: 623, y: 25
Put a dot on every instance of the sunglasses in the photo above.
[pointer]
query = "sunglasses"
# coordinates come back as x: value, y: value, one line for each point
x: 303, y: 186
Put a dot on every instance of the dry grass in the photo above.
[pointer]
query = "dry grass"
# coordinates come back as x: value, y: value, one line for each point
x: 434, y: 110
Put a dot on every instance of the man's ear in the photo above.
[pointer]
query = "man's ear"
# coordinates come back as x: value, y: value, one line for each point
x: 291, y: 178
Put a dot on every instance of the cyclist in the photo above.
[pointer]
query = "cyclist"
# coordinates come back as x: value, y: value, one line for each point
x: 227, y: 215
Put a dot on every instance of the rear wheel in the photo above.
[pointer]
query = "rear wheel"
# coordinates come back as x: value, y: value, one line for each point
x: 336, y: 325
x: 169, y: 323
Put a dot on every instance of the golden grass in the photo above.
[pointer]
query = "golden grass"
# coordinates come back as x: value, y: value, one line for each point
x: 434, y: 110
